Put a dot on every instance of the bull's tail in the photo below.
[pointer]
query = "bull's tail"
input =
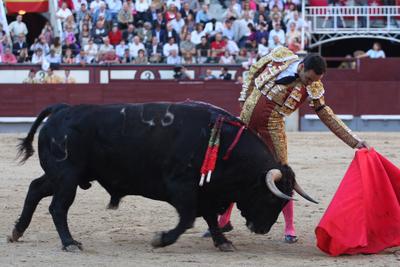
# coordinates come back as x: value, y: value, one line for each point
x: 25, y: 147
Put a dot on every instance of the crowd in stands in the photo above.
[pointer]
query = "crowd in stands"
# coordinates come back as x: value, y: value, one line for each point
x: 157, y: 31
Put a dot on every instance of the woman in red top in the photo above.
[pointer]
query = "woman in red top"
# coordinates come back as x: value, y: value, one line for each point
x: 115, y: 35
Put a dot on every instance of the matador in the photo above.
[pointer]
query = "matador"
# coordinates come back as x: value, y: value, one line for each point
x: 275, y: 87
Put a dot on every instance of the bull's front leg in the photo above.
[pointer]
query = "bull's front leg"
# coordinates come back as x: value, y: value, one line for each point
x: 220, y: 241
x: 185, y: 201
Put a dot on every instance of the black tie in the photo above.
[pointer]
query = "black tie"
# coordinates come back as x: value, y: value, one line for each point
x: 287, y: 80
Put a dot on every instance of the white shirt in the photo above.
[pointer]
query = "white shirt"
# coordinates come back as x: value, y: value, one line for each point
x: 177, y: 3
x: 142, y: 6
x: 78, y: 3
x: 120, y: 50
x: 91, y: 52
x: 177, y: 25
x: 18, y: 27
x: 232, y: 47
x: 95, y: 5
x: 174, y: 60
x: 134, y: 49
x: 262, y: 50
x: 37, y: 59
x: 376, y: 54
x: 280, y: 33
x: 114, y: 5
x: 64, y: 13
x: 196, y: 37
x: 290, y: 71
x: 167, y: 49
x: 209, y: 28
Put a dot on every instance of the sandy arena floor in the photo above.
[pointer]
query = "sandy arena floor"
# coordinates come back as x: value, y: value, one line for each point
x: 122, y: 237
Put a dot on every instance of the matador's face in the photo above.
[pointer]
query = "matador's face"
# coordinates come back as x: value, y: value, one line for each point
x: 309, y: 76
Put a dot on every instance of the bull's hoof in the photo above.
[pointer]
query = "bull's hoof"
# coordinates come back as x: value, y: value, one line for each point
x: 15, y: 235
x: 157, y: 241
x: 75, y: 246
x: 226, y: 247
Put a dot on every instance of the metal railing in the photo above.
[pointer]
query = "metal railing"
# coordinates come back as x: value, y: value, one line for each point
x: 353, y: 19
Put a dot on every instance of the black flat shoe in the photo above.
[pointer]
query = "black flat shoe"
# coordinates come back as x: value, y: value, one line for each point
x: 290, y: 239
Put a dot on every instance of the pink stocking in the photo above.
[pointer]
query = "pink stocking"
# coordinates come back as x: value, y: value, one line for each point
x: 288, y: 215
x: 225, y: 218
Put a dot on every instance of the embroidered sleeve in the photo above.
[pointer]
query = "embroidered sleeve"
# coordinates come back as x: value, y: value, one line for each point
x: 255, y: 70
x: 335, y: 124
x: 315, y: 90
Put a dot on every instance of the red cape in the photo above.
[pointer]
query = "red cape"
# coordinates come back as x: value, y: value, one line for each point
x: 364, y: 214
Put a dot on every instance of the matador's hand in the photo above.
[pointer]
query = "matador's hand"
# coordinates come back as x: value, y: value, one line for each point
x: 241, y: 103
x: 363, y: 144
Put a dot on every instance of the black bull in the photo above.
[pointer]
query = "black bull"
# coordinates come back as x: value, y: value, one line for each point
x: 154, y: 150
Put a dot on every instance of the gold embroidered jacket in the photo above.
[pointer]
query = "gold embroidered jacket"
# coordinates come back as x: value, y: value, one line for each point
x: 260, y: 82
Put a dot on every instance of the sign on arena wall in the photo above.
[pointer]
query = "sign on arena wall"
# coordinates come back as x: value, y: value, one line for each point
x: 29, y: 6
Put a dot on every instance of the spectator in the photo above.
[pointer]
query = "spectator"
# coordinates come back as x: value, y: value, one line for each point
x: 109, y: 57
x: 53, y: 58
x: 208, y: 76
x: 263, y: 47
x: 187, y: 48
x: 246, y: 9
x: 298, y: 21
x: 102, y: 12
x: 177, y: 23
x: 173, y: 58
x: 159, y: 33
x: 154, y: 51
x: 250, y: 60
x: 274, y: 43
x: 142, y: 6
x: 262, y: 32
x: 70, y: 23
x: 114, y: 6
x: 227, y: 30
x: 82, y: 58
x: 31, y: 79
x: 23, y: 56
x: 348, y: 64
x: 234, y: 10
x: 72, y: 46
x: 276, y: 3
x: 69, y: 35
x: 8, y: 57
x: 252, y: 47
x: 184, y: 32
x: 194, y: 5
x: 242, y: 57
x: 82, y: 12
x: 241, y: 29
x: 125, y: 16
x: 136, y: 46
x: 225, y: 75
x: 170, y: 46
x: 84, y: 35
x: 170, y: 32
x: 51, y: 78
x: 277, y: 31
x: 176, y: 3
x: 98, y: 33
x: 106, y: 46
x: 129, y: 33
x: 227, y: 58
x: 47, y: 32
x: 91, y: 50
x: 218, y: 47
x: 95, y: 5
x: 197, y: 35
x: 38, y: 57
x: 181, y: 73
x: 68, y: 57
x: 261, y: 15
x: 276, y: 19
x: 141, y: 58
x: 3, y: 36
x: 203, y: 51
x: 126, y: 57
x: 190, y: 22
x: 171, y: 13
x: 231, y: 46
x: 185, y: 11
x: 289, y: 12
x: 63, y: 12
x: 19, y: 44
x: 68, y: 78
x: 160, y: 20
x: 212, y: 28
x: 17, y: 27
x: 295, y: 45
x: 203, y: 16
x: 375, y: 52
x: 56, y: 46
x: 115, y: 35
x: 120, y: 48
x: 145, y: 32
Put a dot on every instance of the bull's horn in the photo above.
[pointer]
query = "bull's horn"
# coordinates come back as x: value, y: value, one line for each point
x: 302, y: 193
x: 272, y: 176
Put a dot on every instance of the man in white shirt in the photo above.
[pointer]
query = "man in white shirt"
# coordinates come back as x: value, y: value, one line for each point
x: 78, y: 4
x: 231, y: 46
x: 173, y: 58
x: 277, y: 31
x: 106, y: 46
x: 135, y: 47
x: 168, y: 47
x: 120, y: 48
x: 178, y: 23
x: 177, y: 3
x: 94, y: 5
x: 114, y: 6
x: 64, y: 12
x: 375, y: 52
x: 213, y: 27
x: 197, y: 34
x: 17, y: 27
